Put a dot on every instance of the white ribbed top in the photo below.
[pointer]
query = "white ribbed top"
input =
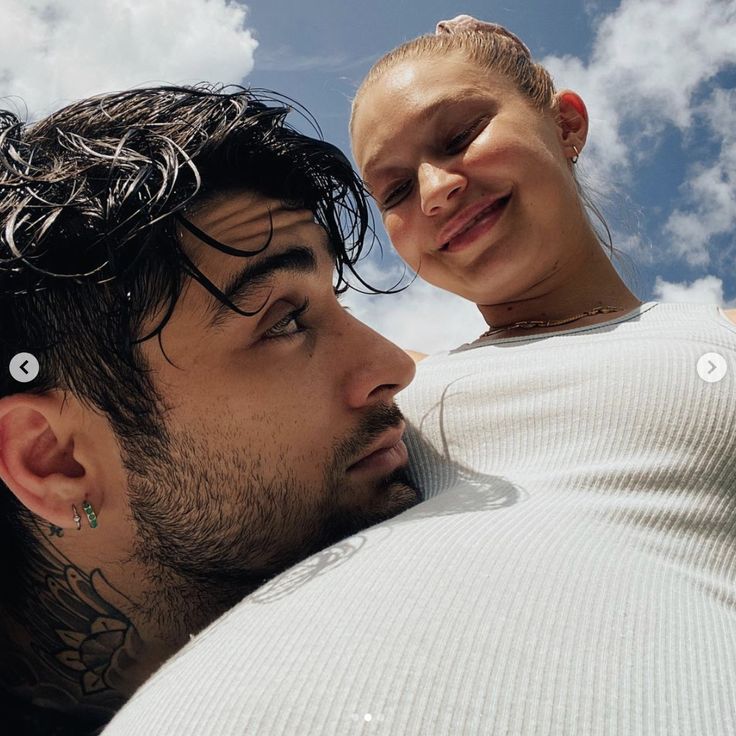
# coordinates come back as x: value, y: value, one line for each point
x: 573, y: 571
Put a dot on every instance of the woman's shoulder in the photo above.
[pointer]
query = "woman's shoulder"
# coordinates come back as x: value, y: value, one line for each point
x: 692, y: 314
x: 415, y: 355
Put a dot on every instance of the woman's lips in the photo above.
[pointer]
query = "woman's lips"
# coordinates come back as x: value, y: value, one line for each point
x: 478, y: 226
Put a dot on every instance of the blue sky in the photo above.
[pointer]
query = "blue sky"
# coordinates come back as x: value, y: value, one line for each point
x: 658, y: 76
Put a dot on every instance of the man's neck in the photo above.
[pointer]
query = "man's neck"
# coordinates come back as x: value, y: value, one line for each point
x: 70, y: 647
x: 72, y: 653
x: 78, y: 645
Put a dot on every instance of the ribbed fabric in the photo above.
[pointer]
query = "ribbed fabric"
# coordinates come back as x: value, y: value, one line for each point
x: 573, y: 570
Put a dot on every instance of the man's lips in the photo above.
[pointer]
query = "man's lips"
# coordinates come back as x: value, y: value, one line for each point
x: 487, y: 210
x: 385, y: 455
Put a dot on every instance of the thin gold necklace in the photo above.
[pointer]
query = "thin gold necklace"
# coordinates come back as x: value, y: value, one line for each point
x: 531, y: 324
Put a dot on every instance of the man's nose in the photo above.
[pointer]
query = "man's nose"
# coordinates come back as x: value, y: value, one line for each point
x: 379, y: 368
x: 438, y: 187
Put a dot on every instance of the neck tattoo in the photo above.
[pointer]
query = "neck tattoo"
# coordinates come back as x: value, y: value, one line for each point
x: 531, y: 324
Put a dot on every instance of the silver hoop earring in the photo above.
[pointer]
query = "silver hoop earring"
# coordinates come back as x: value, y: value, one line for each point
x: 575, y: 158
x: 77, y: 518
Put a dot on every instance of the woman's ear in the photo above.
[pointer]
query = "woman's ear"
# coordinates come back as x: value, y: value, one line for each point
x: 40, y: 460
x: 572, y: 122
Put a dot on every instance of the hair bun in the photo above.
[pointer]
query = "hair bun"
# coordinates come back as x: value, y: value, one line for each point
x: 466, y: 23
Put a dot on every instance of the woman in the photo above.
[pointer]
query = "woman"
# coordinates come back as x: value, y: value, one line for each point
x: 617, y: 557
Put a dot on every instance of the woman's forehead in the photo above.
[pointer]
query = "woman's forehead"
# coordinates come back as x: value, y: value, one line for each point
x: 412, y: 93
x: 412, y: 85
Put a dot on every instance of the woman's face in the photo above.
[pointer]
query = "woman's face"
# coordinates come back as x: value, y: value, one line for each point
x: 473, y: 182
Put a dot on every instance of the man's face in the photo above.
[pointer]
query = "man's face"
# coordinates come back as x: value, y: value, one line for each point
x: 284, y: 435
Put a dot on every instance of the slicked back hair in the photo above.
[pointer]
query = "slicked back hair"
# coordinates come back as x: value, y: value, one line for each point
x: 491, y: 47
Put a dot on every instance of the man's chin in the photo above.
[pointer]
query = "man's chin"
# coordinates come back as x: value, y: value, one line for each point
x: 395, y: 495
x: 399, y: 496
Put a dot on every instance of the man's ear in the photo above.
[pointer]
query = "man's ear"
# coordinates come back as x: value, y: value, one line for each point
x: 572, y: 122
x: 45, y: 455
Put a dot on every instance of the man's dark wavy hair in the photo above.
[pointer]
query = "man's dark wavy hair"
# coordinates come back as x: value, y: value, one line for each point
x: 90, y: 200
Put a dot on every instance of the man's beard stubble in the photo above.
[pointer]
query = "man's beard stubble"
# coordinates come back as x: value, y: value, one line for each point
x: 213, y: 526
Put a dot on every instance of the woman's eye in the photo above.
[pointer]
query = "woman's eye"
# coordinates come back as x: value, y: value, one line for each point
x: 289, y: 325
x: 462, y: 139
x: 396, y: 195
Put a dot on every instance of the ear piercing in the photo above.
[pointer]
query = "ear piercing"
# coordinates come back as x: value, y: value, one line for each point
x: 575, y: 158
x: 91, y: 516
x: 89, y: 511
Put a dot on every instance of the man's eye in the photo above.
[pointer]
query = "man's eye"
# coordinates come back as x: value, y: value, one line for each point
x: 396, y: 195
x: 289, y: 325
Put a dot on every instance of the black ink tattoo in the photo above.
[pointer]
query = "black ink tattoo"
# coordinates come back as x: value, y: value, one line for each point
x: 80, y: 630
x: 55, y: 531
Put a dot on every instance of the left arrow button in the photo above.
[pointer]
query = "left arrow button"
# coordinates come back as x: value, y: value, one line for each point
x: 24, y: 367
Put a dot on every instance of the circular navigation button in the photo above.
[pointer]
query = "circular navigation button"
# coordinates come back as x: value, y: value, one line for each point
x: 24, y: 367
x: 712, y: 367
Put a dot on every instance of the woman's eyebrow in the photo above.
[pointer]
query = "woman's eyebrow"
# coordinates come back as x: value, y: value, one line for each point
x: 431, y: 110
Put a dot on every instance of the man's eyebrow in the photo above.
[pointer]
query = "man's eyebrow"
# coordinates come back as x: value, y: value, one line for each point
x: 239, y: 288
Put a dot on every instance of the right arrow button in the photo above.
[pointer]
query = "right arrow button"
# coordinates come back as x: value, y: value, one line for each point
x: 712, y: 367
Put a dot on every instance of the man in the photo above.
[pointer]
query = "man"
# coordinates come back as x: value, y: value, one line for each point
x: 205, y: 412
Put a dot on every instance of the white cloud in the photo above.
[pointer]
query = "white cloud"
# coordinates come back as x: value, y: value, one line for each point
x: 633, y: 249
x: 651, y: 64
x: 707, y: 290
x: 649, y: 59
x: 284, y: 58
x: 422, y: 317
x: 710, y: 208
x: 55, y: 51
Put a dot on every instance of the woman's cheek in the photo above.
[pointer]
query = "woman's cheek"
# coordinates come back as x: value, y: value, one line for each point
x: 405, y: 239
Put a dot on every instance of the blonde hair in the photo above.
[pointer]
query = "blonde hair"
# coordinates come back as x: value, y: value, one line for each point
x: 491, y: 47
